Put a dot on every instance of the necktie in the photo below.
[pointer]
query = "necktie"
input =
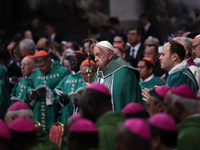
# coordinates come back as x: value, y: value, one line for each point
x: 132, y: 52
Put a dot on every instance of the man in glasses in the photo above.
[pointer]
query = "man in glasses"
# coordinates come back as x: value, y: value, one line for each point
x: 196, y: 47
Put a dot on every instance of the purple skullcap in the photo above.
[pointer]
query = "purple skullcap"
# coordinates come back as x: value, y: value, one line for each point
x: 18, y: 105
x: 22, y: 124
x: 132, y: 108
x: 100, y: 88
x: 163, y: 121
x: 162, y: 90
x: 76, y: 117
x: 4, y: 131
x: 138, y: 127
x: 184, y: 91
x: 83, y: 125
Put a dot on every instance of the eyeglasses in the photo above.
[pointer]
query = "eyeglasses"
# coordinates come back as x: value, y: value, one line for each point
x: 195, y: 46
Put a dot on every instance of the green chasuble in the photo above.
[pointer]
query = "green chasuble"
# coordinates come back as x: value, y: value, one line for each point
x: 69, y: 84
x: 4, y: 99
x: 198, y: 65
x: 183, y: 76
x: 151, y: 83
x: 189, y: 133
x: 123, y: 82
x: 47, y: 114
x: 21, y: 88
x: 107, y: 127
x: 44, y: 140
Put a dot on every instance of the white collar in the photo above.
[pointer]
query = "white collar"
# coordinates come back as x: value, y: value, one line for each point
x: 178, y: 67
x: 147, y: 27
x: 76, y: 72
x: 196, y: 60
x: 136, y: 48
x: 53, y: 36
x: 148, y: 79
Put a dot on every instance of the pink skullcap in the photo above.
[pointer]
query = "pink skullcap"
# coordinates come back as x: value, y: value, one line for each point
x: 139, y: 127
x: 83, y: 125
x: 162, y: 90
x: 184, y: 91
x: 132, y: 108
x: 4, y: 130
x: 22, y: 124
x: 18, y: 105
x: 100, y: 88
x: 163, y: 121
x: 76, y: 117
x: 41, y: 53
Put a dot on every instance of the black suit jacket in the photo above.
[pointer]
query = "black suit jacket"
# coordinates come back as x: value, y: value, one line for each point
x: 152, y: 31
x: 134, y: 61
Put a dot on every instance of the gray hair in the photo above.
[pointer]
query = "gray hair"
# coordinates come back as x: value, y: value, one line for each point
x: 27, y: 43
x: 153, y: 40
x: 20, y: 113
x: 189, y: 104
x: 186, y: 42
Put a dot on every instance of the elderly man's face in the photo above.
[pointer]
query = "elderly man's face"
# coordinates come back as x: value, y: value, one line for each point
x: 102, y: 57
x: 27, y: 66
x: 196, y: 46
x: 169, y: 107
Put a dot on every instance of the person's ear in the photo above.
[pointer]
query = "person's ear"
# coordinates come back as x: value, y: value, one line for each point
x: 179, y: 107
x: 151, y: 70
x: 14, y: 117
x: 155, y: 142
x: 174, y: 56
x: 160, y: 107
x: 123, y: 55
x: 110, y: 55
x: 186, y: 51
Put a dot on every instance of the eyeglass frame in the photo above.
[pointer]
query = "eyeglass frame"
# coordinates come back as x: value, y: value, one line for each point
x: 195, y: 46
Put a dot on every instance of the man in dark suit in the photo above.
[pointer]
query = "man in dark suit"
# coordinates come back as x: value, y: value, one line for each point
x: 148, y: 30
x: 135, y: 52
x: 51, y: 34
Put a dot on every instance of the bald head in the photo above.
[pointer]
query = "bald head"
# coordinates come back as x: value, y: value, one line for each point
x: 41, y: 43
x: 27, y: 66
x: 196, y: 46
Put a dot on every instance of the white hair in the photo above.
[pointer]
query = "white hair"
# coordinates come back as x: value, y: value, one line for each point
x: 27, y: 43
x: 20, y: 113
x: 189, y: 104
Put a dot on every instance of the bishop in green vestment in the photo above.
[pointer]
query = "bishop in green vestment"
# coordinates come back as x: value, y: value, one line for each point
x: 48, y: 73
x: 70, y: 84
x: 20, y: 89
x: 121, y: 78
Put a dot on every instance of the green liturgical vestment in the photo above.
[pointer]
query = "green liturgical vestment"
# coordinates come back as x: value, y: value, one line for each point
x: 69, y: 84
x: 151, y: 83
x: 4, y: 99
x: 123, y: 82
x: 183, y: 76
x: 189, y: 133
x: 47, y: 114
x: 21, y: 88
x: 44, y: 140
x: 107, y: 127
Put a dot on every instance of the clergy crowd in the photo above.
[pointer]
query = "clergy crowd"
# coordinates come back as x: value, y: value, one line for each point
x: 129, y: 93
